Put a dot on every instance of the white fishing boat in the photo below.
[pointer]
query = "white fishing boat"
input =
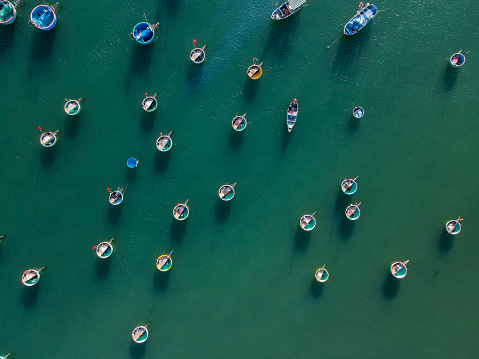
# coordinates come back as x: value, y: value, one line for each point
x: 31, y: 276
x: 140, y: 334
x: 104, y: 249
x: 287, y: 9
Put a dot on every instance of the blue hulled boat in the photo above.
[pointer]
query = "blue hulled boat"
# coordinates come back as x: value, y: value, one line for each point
x: 144, y: 32
x: 361, y: 19
x: 8, y: 13
x: 457, y: 60
x: 292, y: 114
x: 44, y: 17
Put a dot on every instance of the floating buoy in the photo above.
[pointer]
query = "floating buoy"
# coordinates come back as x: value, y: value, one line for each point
x: 198, y: 55
x: 164, y: 262
x: 132, y: 162
x: 72, y: 107
x: 308, y: 222
x: 454, y: 226
x: 144, y: 32
x: 239, y: 123
x: 31, y: 276
x: 116, y: 197
x: 8, y: 12
x: 227, y: 192
x: 349, y: 186
x: 181, y: 211
x: 457, y: 59
x: 321, y: 274
x: 44, y: 17
x: 164, y: 142
x: 140, y: 334
x: 48, y: 139
x: 104, y: 249
x: 150, y: 103
x: 399, y: 269
x: 358, y: 112
x: 255, y: 71
x: 352, y: 211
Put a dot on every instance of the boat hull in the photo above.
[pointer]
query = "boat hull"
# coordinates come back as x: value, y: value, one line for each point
x: 115, y: 198
x: 106, y: 253
x: 142, y: 338
x: 355, y: 215
x: 351, y: 190
x: 226, y: 192
x: 456, y: 229
x: 321, y: 275
x: 8, y: 14
x: 184, y: 214
x: 197, y: 55
x: 142, y: 33
x: 72, y: 108
x: 292, y: 115
x: 457, y: 60
x: 284, y: 11
x: 43, y: 17
x: 149, y: 104
x: 166, y: 266
x: 164, y: 143
x: 30, y: 282
x: 400, y: 273
x: 307, y: 222
x: 239, y: 123
x: 361, y: 19
x: 48, y: 139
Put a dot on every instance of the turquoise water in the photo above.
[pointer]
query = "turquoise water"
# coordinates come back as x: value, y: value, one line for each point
x: 242, y: 283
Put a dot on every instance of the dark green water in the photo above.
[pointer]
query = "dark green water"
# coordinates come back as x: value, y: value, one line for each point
x: 242, y: 281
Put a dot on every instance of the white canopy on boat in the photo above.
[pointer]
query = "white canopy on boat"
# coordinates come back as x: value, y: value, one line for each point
x: 294, y: 4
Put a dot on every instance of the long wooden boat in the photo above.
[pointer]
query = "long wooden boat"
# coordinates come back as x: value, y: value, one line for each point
x: 8, y: 11
x: 164, y: 262
x: 292, y: 114
x: 308, y: 222
x: 31, y: 276
x: 44, y: 17
x: 454, y: 226
x: 150, y: 103
x: 116, y: 197
x: 239, y: 123
x: 321, y: 274
x: 353, y: 212
x: 140, y: 334
x: 457, y: 60
x: 399, y: 269
x: 361, y: 19
x: 48, y: 139
x: 164, y: 142
x: 72, y: 107
x: 227, y: 192
x: 287, y: 9
x: 349, y: 186
x: 181, y: 211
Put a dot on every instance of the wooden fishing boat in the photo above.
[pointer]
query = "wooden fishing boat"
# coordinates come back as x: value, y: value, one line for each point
x: 116, y: 197
x: 292, y: 114
x: 8, y: 11
x: 227, y: 192
x: 287, y: 9
x: 321, y: 274
x: 358, y: 112
x: 132, y: 162
x: 150, y: 103
x: 349, y: 186
x: 164, y: 262
x: 72, y: 107
x: 361, y: 19
x: 144, y: 32
x: 239, y: 123
x: 140, y: 334
x: 308, y: 222
x: 198, y: 55
x: 255, y: 71
x: 104, y: 249
x: 181, y: 211
x: 352, y: 211
x: 399, y: 269
x: 454, y: 226
x: 457, y: 60
x: 48, y: 139
x: 44, y: 17
x: 31, y: 276
x: 164, y: 142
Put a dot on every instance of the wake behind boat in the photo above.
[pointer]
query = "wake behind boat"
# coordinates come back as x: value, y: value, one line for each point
x: 292, y: 114
x: 287, y: 9
x: 361, y: 19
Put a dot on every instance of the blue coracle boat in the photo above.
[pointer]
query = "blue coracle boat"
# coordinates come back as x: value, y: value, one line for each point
x: 43, y: 17
x: 144, y: 32
x: 361, y: 19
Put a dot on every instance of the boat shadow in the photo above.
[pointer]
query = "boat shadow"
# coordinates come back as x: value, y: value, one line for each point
x: 114, y: 213
x: 147, y: 121
x: 316, y: 289
x: 445, y: 241
x: 29, y: 295
x: 130, y: 174
x: 193, y: 76
x: 137, y: 350
x: 353, y: 124
x: 222, y: 210
x: 7, y: 36
x: 302, y: 239
x: 177, y: 230
x: 286, y: 138
x: 161, y: 280
x: 281, y: 35
x: 47, y: 156
x: 449, y: 78
x: 391, y: 286
x: 235, y: 139
x: 71, y: 125
x: 171, y: 8
x: 346, y: 228
x: 102, y: 267
x: 140, y: 58
x: 349, y: 51
x: 41, y: 45
x: 250, y: 89
x: 162, y: 160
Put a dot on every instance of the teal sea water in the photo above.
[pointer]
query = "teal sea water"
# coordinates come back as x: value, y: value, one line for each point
x: 242, y: 281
